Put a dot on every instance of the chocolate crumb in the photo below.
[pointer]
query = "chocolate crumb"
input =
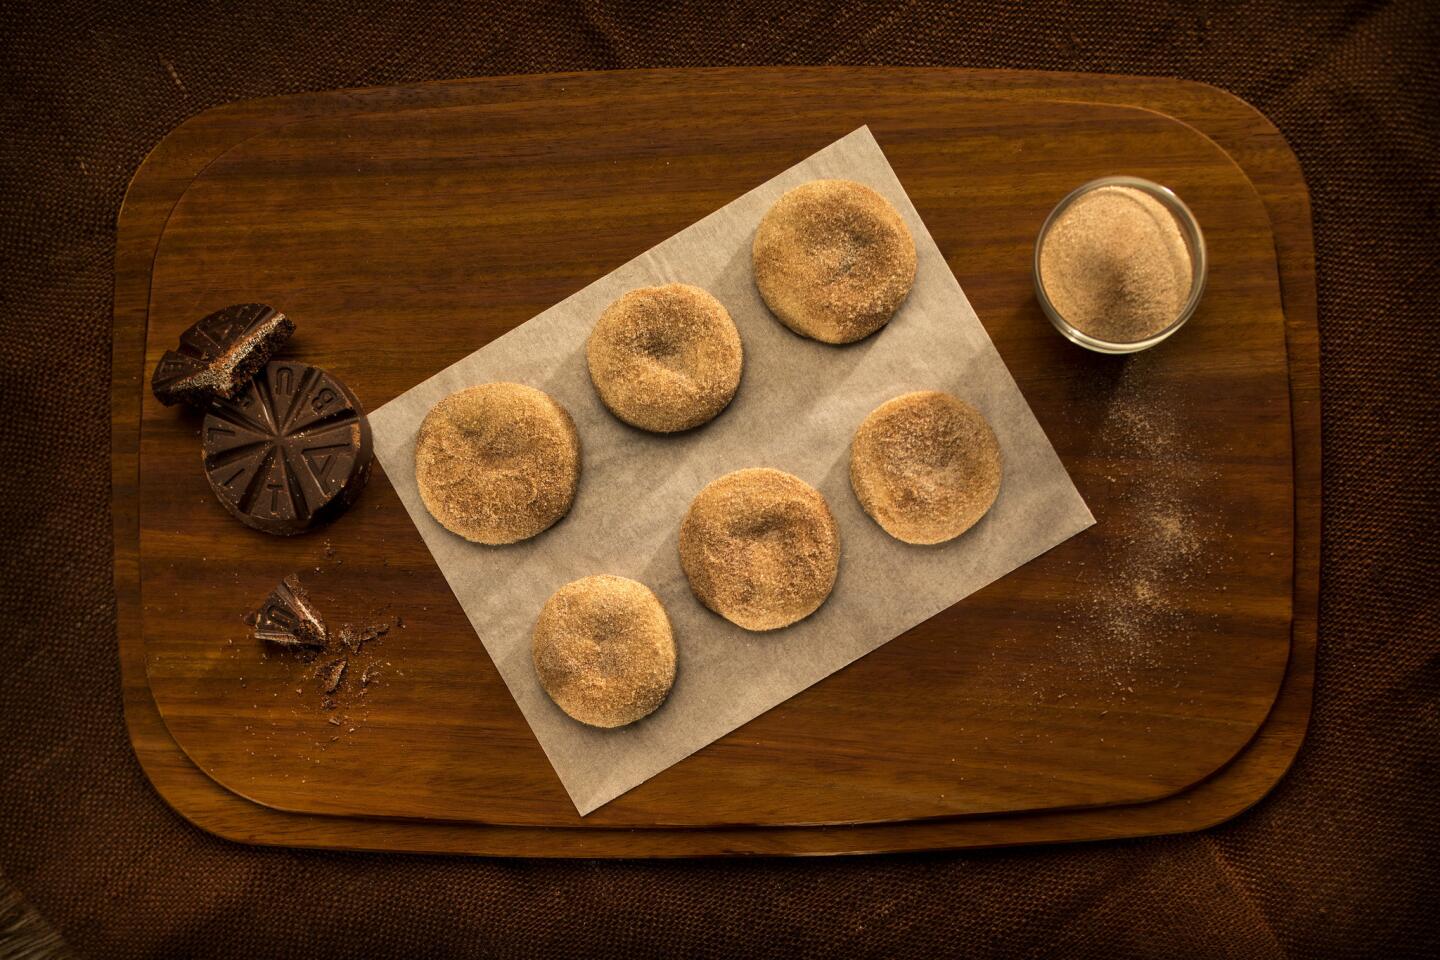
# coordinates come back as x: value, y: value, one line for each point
x: 354, y: 638
x: 332, y: 674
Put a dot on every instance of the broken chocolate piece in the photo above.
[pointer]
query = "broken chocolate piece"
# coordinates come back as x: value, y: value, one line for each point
x: 290, y: 452
x: 219, y: 354
x: 355, y: 638
x: 371, y: 674
x: 288, y: 618
x: 331, y: 674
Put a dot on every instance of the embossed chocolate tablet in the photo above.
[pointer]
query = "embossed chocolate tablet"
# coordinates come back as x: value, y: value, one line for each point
x: 219, y: 354
x: 291, y: 451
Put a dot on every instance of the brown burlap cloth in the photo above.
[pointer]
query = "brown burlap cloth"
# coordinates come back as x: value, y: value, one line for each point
x: 1341, y: 860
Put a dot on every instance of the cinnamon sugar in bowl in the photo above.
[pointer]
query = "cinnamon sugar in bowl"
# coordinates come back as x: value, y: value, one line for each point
x: 1119, y: 264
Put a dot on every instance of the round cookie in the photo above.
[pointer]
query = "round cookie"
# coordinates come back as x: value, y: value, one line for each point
x: 497, y: 463
x: 760, y: 548
x: 603, y: 650
x: 833, y: 260
x: 665, y: 358
x: 926, y: 466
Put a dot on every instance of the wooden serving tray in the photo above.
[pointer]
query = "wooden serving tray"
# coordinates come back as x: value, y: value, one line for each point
x: 404, y: 227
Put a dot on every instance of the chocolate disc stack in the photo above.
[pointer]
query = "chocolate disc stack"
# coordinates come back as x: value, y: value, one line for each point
x: 290, y: 451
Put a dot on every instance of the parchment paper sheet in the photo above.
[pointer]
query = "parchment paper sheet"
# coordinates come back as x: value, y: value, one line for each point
x: 797, y: 409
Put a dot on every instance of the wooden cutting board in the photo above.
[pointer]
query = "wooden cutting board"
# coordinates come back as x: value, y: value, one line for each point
x: 405, y: 227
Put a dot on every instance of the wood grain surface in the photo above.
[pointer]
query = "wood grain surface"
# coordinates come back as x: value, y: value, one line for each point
x: 879, y: 775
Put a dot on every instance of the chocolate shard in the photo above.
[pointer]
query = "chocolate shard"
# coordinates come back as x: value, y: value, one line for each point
x: 290, y: 451
x: 220, y: 354
x: 312, y: 625
x: 355, y: 638
x: 280, y: 637
x: 331, y: 674
x: 288, y: 618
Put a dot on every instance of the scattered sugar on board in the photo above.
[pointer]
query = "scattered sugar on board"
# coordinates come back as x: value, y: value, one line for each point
x: 1126, y: 618
x: 1132, y: 612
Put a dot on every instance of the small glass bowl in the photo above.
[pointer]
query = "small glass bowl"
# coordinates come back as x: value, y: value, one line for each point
x: 1194, y: 239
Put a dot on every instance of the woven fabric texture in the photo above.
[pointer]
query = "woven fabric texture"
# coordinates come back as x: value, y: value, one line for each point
x: 1340, y: 860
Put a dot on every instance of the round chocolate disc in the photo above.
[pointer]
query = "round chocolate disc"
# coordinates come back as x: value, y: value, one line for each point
x: 290, y: 451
